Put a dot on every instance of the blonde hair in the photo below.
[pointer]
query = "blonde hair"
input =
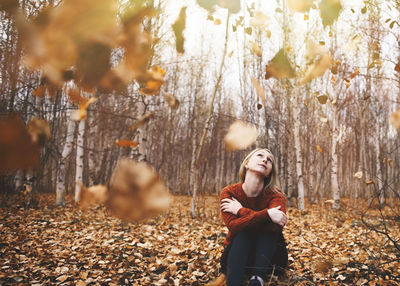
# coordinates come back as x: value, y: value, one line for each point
x: 271, y: 181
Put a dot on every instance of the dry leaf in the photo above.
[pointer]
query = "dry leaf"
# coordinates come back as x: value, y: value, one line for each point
x: 323, y: 98
x: 94, y: 195
x: 178, y: 28
x: 358, y: 175
x: 136, y: 191
x: 299, y: 5
x: 260, y: 90
x: 390, y: 162
x: 323, y: 119
x: 40, y: 91
x: 322, y: 265
x: 80, y: 114
x: 233, y: 6
x: 395, y: 119
x: 39, y: 129
x: 217, y: 22
x: 17, y: 150
x: 256, y: 49
x: 321, y: 58
x: 279, y: 67
x: 153, y: 80
x: 329, y: 11
x: 259, y: 20
x: 142, y: 121
x: 319, y: 149
x: 172, y: 101
x: 369, y: 182
x: 230, y: 54
x: 240, y: 136
x: 126, y: 143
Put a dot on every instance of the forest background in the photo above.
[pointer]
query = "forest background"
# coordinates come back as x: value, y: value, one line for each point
x: 163, y: 82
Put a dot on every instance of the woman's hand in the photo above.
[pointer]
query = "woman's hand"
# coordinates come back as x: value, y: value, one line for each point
x: 231, y: 206
x: 277, y: 216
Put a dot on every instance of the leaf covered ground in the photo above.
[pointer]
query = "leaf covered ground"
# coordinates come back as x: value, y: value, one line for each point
x: 45, y: 245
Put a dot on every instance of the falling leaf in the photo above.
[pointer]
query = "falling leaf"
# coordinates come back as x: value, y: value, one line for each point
x: 329, y: 202
x: 172, y: 101
x: 369, y: 182
x: 217, y: 22
x: 259, y: 106
x: 17, y: 150
x: 397, y: 67
x: 248, y: 30
x: 358, y: 175
x: 136, y: 191
x: 395, y: 119
x: 268, y: 33
x: 390, y: 163
x: 230, y: 54
x: 260, y: 90
x: 126, y: 143
x: 256, y: 49
x: 178, y: 27
x: 322, y: 60
x: 39, y: 129
x: 299, y: 5
x: 259, y: 20
x: 233, y: 6
x: 323, y: 119
x: 322, y: 98
x: 142, y: 121
x: 153, y: 80
x: 306, y: 17
x: 279, y: 67
x: 329, y: 11
x: 319, y: 149
x: 240, y: 136
x: 80, y: 114
x: 94, y: 195
x: 207, y: 4
x: 9, y: 6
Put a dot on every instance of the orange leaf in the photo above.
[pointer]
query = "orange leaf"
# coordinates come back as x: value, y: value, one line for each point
x: 126, y: 143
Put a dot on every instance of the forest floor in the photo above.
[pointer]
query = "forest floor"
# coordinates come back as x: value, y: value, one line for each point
x: 45, y: 245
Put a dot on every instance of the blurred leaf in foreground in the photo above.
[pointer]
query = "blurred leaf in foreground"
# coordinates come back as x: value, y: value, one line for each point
x: 260, y: 90
x: 39, y: 130
x: 329, y: 11
x: 17, y: 150
x: 240, y: 136
x: 94, y: 195
x: 279, y: 67
x: 172, y: 101
x: 136, y: 191
x: 395, y: 119
x: 321, y: 59
x: 80, y: 113
x: 178, y: 28
x: 299, y: 5
x: 142, y: 121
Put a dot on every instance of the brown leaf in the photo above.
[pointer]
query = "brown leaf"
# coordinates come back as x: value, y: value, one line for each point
x: 172, y: 101
x: 319, y: 149
x: 141, y: 121
x: 322, y: 61
x: 240, y: 136
x: 94, y: 195
x: 136, y: 191
x: 395, y: 119
x: 40, y: 91
x: 260, y: 90
x: 279, y: 67
x: 178, y: 27
x: 153, y: 79
x: 17, y: 151
x: 322, y: 98
x: 256, y: 49
x: 322, y: 265
x: 80, y: 113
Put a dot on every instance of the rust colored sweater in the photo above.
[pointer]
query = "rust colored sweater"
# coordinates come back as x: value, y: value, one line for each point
x: 254, y: 213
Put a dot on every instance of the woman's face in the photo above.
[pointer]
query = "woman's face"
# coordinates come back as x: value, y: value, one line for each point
x: 260, y: 162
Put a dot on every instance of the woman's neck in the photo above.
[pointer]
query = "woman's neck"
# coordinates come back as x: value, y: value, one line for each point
x: 253, y: 185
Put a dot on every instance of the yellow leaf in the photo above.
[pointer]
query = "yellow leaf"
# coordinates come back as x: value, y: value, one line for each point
x: 260, y: 90
x: 217, y: 21
x: 279, y: 67
x: 268, y: 33
x: 319, y: 149
x: 260, y: 20
x: 390, y: 162
x: 323, y: 98
x: 323, y: 119
x: 172, y: 101
x: 395, y: 119
x: 358, y: 175
x: 299, y: 5
x: 240, y: 136
x: 230, y: 54
x: 256, y: 49
x: 369, y: 182
x: 329, y: 11
x: 322, y: 61
x: 39, y: 129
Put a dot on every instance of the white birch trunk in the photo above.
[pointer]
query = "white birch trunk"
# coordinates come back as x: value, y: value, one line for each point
x: 299, y: 159
x: 18, y: 180
x: 378, y: 169
x: 79, y: 160
x: 334, y: 178
x: 140, y: 151
x: 60, y: 188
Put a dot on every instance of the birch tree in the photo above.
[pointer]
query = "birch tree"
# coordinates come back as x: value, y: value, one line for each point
x: 79, y: 160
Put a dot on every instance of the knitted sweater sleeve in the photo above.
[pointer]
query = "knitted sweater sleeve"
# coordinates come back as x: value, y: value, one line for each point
x: 247, y: 217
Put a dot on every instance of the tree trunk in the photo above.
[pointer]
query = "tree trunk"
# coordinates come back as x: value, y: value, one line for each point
x: 299, y: 159
x: 334, y: 168
x: 79, y: 160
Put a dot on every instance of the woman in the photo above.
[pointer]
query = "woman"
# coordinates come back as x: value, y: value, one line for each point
x: 254, y: 212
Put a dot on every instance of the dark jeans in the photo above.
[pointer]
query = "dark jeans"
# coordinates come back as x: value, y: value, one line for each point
x: 253, y: 252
